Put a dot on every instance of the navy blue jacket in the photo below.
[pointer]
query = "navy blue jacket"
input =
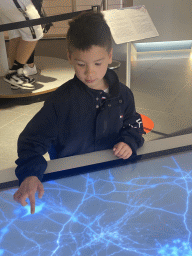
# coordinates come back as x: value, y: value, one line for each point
x: 76, y: 120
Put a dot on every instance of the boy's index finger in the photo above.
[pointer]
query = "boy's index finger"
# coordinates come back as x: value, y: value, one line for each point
x: 32, y: 203
x: 117, y: 149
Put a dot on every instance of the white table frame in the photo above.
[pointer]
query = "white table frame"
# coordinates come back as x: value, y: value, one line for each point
x: 66, y: 163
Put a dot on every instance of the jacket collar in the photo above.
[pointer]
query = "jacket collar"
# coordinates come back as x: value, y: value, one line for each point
x: 112, y: 80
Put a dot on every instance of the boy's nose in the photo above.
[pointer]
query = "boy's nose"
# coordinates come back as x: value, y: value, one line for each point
x: 89, y: 71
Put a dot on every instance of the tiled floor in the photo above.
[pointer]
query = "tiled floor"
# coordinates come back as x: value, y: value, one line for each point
x: 162, y: 87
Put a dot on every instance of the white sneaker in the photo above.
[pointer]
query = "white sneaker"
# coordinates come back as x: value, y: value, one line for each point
x: 28, y: 71
x: 17, y: 79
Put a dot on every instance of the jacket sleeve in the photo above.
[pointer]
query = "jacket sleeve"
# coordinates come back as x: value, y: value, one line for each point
x: 132, y: 130
x: 34, y: 142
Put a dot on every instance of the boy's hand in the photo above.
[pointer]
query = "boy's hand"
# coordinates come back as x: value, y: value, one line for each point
x: 28, y: 189
x: 122, y: 150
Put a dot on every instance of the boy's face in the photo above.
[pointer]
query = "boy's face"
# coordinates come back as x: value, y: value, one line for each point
x: 91, y: 66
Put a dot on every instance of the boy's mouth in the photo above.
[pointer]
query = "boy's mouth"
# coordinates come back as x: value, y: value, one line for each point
x: 90, y: 81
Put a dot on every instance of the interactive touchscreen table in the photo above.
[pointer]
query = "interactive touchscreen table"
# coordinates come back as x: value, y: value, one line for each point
x: 137, y: 208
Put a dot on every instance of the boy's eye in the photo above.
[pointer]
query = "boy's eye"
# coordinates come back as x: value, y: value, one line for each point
x: 81, y: 65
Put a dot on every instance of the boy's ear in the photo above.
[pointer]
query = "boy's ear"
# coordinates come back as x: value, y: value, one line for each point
x: 111, y: 52
x: 68, y: 56
x: 111, y: 56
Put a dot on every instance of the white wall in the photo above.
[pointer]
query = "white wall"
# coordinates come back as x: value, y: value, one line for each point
x: 172, y: 18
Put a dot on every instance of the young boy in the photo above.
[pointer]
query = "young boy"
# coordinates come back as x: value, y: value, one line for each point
x: 91, y: 112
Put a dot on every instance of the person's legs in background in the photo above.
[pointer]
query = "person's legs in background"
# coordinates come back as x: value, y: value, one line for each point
x: 22, y: 41
x: 30, y: 68
x: 20, y: 50
x: 19, y: 53
x: 30, y: 61
x: 12, y: 50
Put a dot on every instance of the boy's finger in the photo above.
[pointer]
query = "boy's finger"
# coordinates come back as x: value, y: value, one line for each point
x: 125, y: 155
x: 22, y: 200
x: 123, y: 152
x: 19, y: 198
x: 41, y: 193
x: 115, y: 148
x: 118, y: 149
x: 40, y: 190
x: 32, y: 203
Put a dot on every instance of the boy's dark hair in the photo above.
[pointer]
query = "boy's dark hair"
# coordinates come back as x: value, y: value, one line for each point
x: 86, y: 30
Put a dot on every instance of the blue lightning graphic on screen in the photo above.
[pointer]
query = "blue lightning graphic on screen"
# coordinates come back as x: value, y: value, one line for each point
x: 138, y: 209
